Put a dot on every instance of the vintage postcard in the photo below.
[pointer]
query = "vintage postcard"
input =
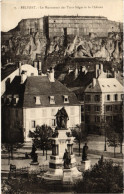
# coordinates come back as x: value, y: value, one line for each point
x: 61, y: 96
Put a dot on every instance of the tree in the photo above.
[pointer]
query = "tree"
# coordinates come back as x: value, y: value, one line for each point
x: 118, y: 125
x: 114, y: 133
x: 41, y: 137
x: 80, y: 134
x: 103, y: 177
x: 13, y: 139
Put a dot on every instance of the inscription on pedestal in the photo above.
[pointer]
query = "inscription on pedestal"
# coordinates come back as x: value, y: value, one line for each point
x: 67, y: 175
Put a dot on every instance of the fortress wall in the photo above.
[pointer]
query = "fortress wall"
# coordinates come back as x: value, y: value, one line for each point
x: 31, y: 25
x: 81, y: 26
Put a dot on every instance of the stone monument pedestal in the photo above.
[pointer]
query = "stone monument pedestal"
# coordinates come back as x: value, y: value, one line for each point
x: 67, y: 175
x: 86, y: 164
x: 34, y: 168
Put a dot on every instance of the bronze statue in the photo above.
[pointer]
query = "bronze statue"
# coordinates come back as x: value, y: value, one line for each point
x: 61, y: 118
x: 84, y: 152
x: 33, y: 154
x: 67, y: 159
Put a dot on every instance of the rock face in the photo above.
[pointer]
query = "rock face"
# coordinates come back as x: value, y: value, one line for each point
x: 29, y: 39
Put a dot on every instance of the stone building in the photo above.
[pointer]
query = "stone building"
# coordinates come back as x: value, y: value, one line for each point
x: 64, y: 25
x: 103, y: 101
x: 35, y: 100
x: 80, y: 25
x: 8, y: 77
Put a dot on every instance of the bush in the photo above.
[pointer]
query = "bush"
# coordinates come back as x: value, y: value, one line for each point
x: 104, y: 177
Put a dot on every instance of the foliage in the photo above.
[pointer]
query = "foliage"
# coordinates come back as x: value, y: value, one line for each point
x: 14, y: 139
x: 41, y: 137
x: 104, y: 177
x: 80, y: 134
x: 114, y: 133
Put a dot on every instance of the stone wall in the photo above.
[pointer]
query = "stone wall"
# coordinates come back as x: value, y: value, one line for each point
x: 81, y: 25
x: 28, y: 26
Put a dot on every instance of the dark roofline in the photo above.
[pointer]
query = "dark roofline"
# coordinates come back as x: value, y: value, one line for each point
x: 87, y: 17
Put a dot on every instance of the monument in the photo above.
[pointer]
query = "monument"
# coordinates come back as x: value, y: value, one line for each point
x: 62, y: 164
x: 34, y: 165
x: 85, y: 161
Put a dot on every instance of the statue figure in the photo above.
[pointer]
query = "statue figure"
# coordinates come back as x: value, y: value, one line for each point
x: 33, y: 154
x: 84, y: 152
x: 67, y: 159
x: 61, y: 118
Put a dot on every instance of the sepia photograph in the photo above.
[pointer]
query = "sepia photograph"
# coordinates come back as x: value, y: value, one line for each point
x: 62, y: 96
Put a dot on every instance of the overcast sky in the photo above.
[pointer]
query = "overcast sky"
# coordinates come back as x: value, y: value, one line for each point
x: 14, y: 11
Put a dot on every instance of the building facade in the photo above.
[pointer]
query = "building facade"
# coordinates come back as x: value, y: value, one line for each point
x: 35, y: 100
x: 103, y: 102
x: 80, y: 25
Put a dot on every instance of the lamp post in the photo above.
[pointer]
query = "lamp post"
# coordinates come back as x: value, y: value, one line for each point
x: 104, y: 126
x: 105, y: 139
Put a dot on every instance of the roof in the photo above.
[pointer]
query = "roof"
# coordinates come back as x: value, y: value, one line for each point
x: 105, y: 85
x: 81, y: 80
x: 94, y: 89
x: 82, y: 17
x: 110, y: 85
x: 15, y: 88
x: 41, y: 86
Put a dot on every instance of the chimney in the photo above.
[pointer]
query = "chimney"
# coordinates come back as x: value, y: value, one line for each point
x: 35, y: 64
x: 85, y: 71
x: 101, y: 67
x: 51, y: 75
x: 97, y: 71
x: 20, y: 68
x: 40, y: 65
x: 94, y: 82
x: 76, y: 73
x: 115, y: 74
x: 83, y: 68
x: 23, y: 76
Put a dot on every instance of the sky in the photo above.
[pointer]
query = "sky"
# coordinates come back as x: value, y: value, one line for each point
x: 13, y: 11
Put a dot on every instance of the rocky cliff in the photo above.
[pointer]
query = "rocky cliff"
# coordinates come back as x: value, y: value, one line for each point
x: 29, y: 39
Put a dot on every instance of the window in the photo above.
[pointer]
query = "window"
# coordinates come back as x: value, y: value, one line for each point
x: 108, y: 97
x: 97, y: 98
x: 88, y: 108
x: 97, y: 119
x: 87, y: 118
x: 115, y: 97
x: 122, y: 96
x: 108, y: 108
x: 82, y: 117
x: 82, y: 108
x: 66, y: 100
x: 52, y: 100
x: 9, y: 99
x: 3, y: 99
x: 97, y: 108
x: 15, y: 99
x: 33, y: 124
x: 109, y: 118
x: 37, y: 100
x: 53, y: 122
x: 88, y: 98
x: 116, y: 107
